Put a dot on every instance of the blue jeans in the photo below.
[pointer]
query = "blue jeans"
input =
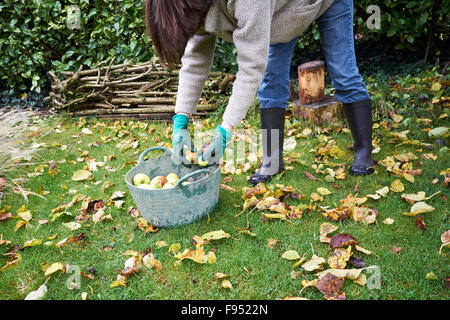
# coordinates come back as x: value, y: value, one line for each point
x: 336, y: 33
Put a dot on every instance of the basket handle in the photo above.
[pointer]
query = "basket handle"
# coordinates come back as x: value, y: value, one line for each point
x: 190, y: 175
x: 141, y: 158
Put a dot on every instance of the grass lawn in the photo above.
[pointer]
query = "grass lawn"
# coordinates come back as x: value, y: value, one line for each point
x: 254, y: 270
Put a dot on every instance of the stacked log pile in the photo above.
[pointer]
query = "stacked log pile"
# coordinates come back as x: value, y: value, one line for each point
x: 144, y: 90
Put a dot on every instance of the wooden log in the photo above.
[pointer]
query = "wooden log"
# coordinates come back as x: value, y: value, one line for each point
x: 143, y: 100
x: 311, y: 80
x: 134, y: 84
x: 225, y: 83
x: 90, y: 105
x: 94, y: 71
x: 146, y: 73
x: 328, y: 110
x: 138, y: 93
x: 200, y: 107
x: 146, y: 116
x: 140, y: 116
x: 152, y: 109
x: 130, y: 67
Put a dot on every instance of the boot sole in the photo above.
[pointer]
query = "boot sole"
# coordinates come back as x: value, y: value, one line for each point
x: 366, y: 172
x: 266, y: 179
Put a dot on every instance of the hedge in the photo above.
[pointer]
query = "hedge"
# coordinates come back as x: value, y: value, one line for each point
x: 35, y: 37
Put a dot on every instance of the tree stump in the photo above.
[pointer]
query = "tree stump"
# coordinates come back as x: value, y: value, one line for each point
x: 328, y: 110
x: 313, y: 105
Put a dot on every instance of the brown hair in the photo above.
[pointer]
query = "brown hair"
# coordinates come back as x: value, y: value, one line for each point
x: 171, y: 23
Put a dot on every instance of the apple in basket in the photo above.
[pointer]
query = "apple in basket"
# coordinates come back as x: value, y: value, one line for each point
x: 169, y: 185
x: 141, y: 178
x: 172, y: 178
x: 146, y: 186
x: 190, y: 156
x: 158, y: 182
x: 202, y: 163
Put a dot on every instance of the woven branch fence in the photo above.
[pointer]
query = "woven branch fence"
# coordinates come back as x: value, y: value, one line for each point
x: 143, y: 90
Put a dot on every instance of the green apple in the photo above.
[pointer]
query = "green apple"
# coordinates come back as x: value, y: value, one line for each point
x: 141, y: 178
x: 172, y: 178
x: 145, y: 186
x: 201, y: 162
x: 158, y: 182
x: 169, y: 185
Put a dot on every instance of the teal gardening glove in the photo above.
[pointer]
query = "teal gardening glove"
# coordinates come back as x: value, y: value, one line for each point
x: 216, y: 149
x: 180, y: 134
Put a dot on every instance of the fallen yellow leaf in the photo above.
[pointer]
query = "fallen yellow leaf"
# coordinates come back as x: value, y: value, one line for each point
x: 291, y: 255
x: 397, y: 186
x: 419, y: 208
x: 57, y: 266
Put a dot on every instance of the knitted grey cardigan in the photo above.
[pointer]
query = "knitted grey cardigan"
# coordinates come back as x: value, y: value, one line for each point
x: 259, y: 23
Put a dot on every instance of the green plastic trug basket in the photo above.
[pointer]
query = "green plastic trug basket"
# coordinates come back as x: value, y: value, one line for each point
x: 182, y: 204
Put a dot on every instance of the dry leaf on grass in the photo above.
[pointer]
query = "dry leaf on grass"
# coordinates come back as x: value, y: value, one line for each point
x: 342, y: 240
x: 38, y: 294
x: 315, y: 263
x: 291, y: 255
x: 325, y: 229
x: 337, y: 214
x: 379, y: 193
x: 81, y: 175
x: 196, y: 255
x: 340, y: 257
x: 419, y: 208
x: 5, y: 216
x: 15, y: 259
x: 226, y: 284
x: 32, y: 243
x: 416, y: 197
x: 445, y: 239
x: 420, y: 222
x: 396, y: 249
x: 55, y: 267
x: 329, y: 284
x: 397, y: 186
x: 271, y: 243
x: 365, y: 214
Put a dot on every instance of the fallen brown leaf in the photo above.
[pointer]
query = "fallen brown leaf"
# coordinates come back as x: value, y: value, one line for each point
x: 329, y: 284
x: 5, y: 216
x: 134, y: 212
x: 337, y: 214
x: 225, y: 187
x: 420, y: 222
x: 310, y: 176
x: 336, y: 296
x: 396, y: 249
x: 342, y: 240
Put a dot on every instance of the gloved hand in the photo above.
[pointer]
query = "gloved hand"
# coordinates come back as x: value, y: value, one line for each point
x: 180, y: 134
x: 216, y: 149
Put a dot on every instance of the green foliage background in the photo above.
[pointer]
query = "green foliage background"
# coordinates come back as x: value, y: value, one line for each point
x: 35, y: 39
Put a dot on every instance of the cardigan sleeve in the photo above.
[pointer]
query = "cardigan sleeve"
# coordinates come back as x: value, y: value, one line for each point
x: 196, y: 65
